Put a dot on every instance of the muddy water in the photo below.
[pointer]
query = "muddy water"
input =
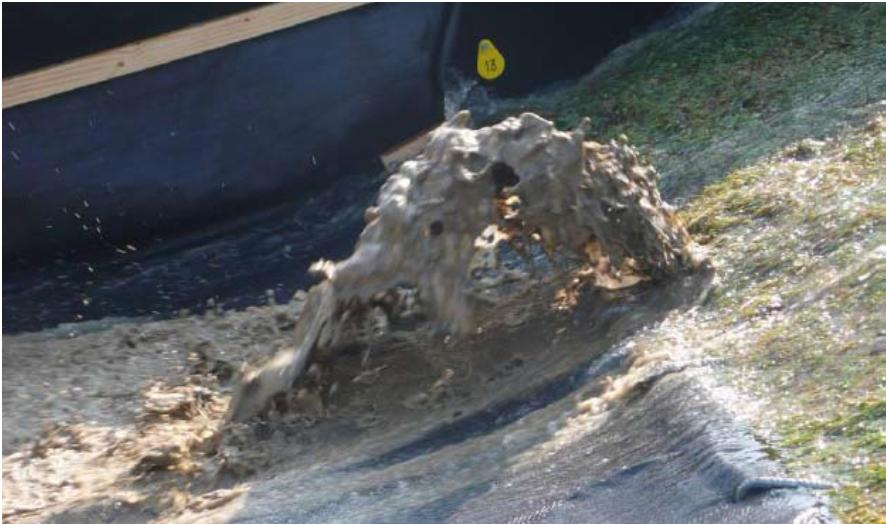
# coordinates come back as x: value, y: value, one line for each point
x: 413, y: 427
x: 542, y: 415
x: 508, y: 442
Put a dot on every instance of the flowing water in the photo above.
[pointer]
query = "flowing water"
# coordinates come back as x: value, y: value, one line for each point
x: 541, y: 416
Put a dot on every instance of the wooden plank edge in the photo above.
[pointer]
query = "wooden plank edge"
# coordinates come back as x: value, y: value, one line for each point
x: 393, y: 158
x: 162, y: 49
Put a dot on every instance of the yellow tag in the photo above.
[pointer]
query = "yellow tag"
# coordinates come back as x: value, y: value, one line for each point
x: 490, y: 63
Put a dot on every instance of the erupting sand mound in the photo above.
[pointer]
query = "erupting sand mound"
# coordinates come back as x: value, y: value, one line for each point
x: 523, y: 177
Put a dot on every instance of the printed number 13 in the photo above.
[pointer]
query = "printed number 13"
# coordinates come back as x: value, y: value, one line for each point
x: 490, y: 62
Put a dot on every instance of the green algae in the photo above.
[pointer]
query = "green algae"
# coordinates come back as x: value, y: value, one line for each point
x: 859, y: 432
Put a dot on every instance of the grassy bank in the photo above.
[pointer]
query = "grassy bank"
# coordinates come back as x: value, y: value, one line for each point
x: 729, y: 86
x: 800, y: 311
x: 768, y: 124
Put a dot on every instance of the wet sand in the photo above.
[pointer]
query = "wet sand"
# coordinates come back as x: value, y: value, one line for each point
x: 410, y: 425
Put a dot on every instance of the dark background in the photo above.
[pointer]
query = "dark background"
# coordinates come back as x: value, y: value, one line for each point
x: 544, y: 43
x: 38, y: 35
x: 223, y: 175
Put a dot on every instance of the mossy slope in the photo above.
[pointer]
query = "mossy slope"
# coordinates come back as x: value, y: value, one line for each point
x: 725, y: 105
x: 729, y: 86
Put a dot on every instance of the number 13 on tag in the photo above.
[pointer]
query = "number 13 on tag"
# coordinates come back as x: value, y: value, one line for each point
x: 490, y: 63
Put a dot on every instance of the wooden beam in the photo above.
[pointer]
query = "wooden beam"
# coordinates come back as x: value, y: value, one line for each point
x: 394, y: 157
x: 163, y: 49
